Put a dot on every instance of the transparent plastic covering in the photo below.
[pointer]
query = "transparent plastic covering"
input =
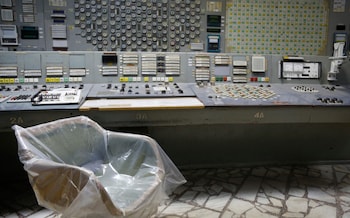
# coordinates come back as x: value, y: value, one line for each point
x: 79, y: 169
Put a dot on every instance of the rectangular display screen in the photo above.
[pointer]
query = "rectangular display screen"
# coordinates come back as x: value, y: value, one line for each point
x: 109, y: 59
x: 213, y: 20
x: 29, y: 32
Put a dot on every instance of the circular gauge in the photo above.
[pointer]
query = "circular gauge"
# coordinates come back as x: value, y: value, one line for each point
x: 100, y: 46
x: 82, y: 10
x: 138, y: 42
x: 104, y: 34
x: 104, y: 2
x: 112, y: 30
x: 99, y: 6
x: 99, y: 14
x: 76, y: 6
x: 82, y: 26
x: 76, y: 22
x: 99, y: 22
x: 87, y: 6
x: 105, y: 42
x: 94, y: 34
x: 94, y: 42
x: 82, y: 17
x: 88, y: 38
x: 88, y: 14
x: 128, y: 34
x: 118, y: 34
x: 99, y: 30
x: 182, y: 43
x: 112, y: 7
x: 82, y: 2
x: 88, y: 30
x: 133, y: 31
x: 92, y: 2
x: 82, y: 33
x: 112, y: 22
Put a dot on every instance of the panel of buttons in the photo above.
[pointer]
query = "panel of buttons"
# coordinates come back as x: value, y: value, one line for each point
x: 145, y: 25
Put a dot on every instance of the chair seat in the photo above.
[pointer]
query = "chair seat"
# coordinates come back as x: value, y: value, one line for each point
x: 79, y: 169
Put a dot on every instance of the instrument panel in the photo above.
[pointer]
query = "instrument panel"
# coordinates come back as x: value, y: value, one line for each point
x: 69, y: 78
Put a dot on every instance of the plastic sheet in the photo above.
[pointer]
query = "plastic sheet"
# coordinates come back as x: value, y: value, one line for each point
x: 79, y: 169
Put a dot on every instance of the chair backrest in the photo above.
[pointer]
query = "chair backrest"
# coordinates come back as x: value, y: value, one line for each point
x: 74, y: 141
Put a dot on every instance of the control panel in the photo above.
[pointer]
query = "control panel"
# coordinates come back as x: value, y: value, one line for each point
x: 216, y: 79
x: 216, y: 26
x: 111, y: 25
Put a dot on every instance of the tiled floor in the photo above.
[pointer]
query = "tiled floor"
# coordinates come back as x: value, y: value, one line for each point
x: 256, y: 192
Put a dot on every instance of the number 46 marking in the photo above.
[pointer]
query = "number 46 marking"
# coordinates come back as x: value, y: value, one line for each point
x: 259, y: 115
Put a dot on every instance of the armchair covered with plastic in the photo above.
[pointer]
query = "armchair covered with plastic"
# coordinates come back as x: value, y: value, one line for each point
x: 79, y: 169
